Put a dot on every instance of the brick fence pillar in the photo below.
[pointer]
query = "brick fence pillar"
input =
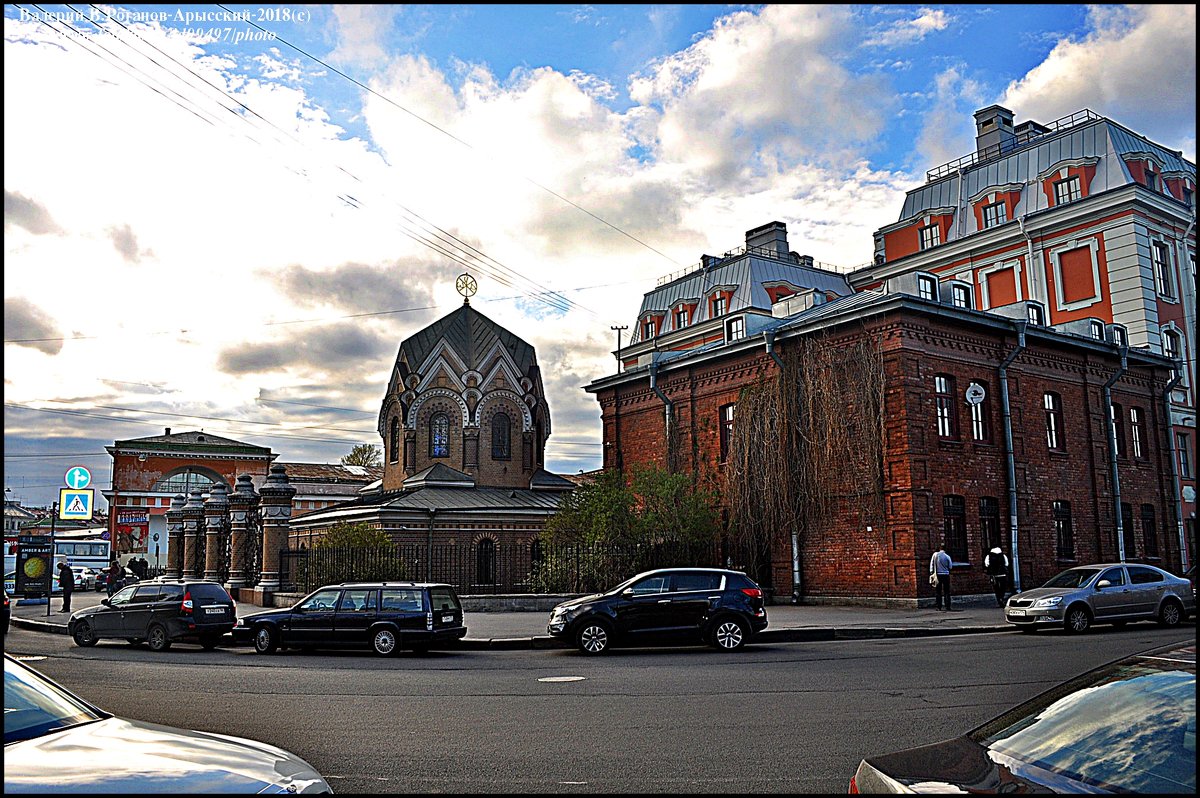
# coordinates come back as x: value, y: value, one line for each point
x: 193, y: 520
x: 216, y: 520
x: 276, y: 503
x: 243, y: 502
x: 174, y: 568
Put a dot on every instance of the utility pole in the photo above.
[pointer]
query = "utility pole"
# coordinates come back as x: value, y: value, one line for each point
x: 618, y: 329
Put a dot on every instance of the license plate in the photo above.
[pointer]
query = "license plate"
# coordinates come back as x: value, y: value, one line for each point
x: 215, y: 610
x: 1017, y: 613
x: 447, y: 619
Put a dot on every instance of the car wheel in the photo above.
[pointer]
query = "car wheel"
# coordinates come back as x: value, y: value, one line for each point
x: 209, y: 642
x: 157, y: 639
x: 384, y: 642
x: 265, y: 640
x: 729, y: 634
x: 1170, y: 614
x: 593, y: 637
x: 83, y: 635
x: 1077, y: 619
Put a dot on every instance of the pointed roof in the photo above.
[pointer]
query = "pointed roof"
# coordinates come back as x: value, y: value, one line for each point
x: 472, y: 335
x: 193, y: 441
x: 439, y: 475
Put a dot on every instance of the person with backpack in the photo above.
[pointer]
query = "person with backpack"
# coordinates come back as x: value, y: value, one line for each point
x: 995, y: 563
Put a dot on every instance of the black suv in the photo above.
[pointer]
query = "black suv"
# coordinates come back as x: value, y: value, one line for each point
x: 383, y: 616
x: 159, y: 612
x: 670, y: 605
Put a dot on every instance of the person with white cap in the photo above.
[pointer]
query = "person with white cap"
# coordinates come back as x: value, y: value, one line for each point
x: 996, y: 565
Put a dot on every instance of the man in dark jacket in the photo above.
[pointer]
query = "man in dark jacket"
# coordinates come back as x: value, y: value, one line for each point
x: 116, y: 576
x: 66, y: 580
x: 996, y: 565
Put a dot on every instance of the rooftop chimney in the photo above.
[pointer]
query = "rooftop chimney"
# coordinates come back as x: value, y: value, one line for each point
x: 168, y: 431
x: 993, y: 131
x: 772, y: 237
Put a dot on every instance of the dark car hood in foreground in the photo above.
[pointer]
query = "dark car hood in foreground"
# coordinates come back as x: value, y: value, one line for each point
x: 579, y: 602
x: 124, y: 756
x: 962, y: 765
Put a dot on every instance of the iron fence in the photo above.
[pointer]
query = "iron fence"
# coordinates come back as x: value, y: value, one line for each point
x: 489, y: 567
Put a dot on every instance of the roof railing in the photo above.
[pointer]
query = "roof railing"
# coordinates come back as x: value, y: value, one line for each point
x: 1024, y: 137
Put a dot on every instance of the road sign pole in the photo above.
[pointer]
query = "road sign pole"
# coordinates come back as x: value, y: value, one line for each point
x: 50, y: 584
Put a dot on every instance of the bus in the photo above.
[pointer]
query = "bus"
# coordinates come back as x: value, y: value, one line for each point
x: 93, y: 553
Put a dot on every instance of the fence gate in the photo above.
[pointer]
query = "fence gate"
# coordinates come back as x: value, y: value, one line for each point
x: 252, y: 548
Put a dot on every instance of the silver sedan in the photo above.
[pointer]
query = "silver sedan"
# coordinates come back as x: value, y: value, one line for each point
x: 1104, y: 593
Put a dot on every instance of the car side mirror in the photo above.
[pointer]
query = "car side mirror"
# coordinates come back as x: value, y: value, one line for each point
x: 627, y: 591
x: 106, y: 602
x: 1103, y: 583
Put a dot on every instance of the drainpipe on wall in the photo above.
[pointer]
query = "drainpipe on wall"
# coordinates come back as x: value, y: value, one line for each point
x: 769, y: 337
x: 1008, y: 453
x: 1112, y: 455
x: 1175, y: 486
x: 669, y: 409
x: 1030, y: 271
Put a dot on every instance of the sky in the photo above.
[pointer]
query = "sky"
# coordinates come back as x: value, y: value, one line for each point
x: 229, y: 217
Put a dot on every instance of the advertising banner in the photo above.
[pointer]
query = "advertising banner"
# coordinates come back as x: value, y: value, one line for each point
x: 34, y: 572
x: 133, y: 530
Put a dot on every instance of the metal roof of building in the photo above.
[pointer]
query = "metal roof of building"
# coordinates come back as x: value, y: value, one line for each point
x: 472, y: 335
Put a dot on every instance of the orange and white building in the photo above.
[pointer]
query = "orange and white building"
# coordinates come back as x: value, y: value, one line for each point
x: 1082, y: 225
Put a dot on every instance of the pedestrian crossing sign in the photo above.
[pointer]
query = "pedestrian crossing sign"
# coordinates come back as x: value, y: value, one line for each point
x: 76, y: 505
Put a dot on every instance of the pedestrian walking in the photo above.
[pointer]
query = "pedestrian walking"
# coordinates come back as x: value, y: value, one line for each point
x: 144, y: 565
x: 116, y: 575
x: 66, y: 580
x: 939, y: 575
x: 996, y: 565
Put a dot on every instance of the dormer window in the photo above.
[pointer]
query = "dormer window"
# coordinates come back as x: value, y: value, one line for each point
x: 994, y: 214
x: 931, y: 236
x: 682, y: 318
x: 961, y: 296
x: 648, y: 329
x: 735, y: 329
x: 927, y: 287
x: 718, y: 305
x: 1170, y: 344
x: 1097, y: 330
x: 1119, y: 336
x: 1151, y: 179
x: 1067, y: 191
x: 1035, y: 314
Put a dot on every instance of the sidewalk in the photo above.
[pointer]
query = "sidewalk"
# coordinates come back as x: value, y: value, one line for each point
x: 523, y: 630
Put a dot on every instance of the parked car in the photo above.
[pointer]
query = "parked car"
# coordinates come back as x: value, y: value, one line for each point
x: 158, y: 612
x: 10, y: 583
x: 129, y: 578
x: 56, y: 742
x: 1106, y: 593
x: 1129, y: 726
x: 383, y: 616
x: 85, y: 578
x: 670, y: 605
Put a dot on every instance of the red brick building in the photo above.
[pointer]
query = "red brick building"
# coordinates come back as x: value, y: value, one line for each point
x: 1037, y: 479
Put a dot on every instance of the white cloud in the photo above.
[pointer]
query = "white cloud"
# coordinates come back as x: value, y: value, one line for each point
x: 948, y: 128
x: 1137, y: 65
x: 910, y: 31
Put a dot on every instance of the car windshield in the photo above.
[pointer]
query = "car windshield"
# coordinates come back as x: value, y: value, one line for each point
x: 33, y: 707
x: 1128, y: 727
x: 1076, y: 577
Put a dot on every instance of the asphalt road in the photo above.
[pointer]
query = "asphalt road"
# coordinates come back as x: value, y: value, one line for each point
x: 781, y: 718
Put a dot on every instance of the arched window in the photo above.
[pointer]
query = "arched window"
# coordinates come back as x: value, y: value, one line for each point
x: 185, y: 481
x: 501, y: 437
x: 485, y: 562
x: 439, y: 435
x: 394, y: 441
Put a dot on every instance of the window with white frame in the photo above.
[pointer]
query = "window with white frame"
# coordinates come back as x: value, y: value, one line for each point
x: 931, y: 236
x: 994, y: 214
x: 961, y: 295
x: 648, y: 329
x: 1183, y: 444
x: 718, y: 305
x: 682, y: 317
x: 981, y: 428
x: 1170, y: 344
x: 735, y: 329
x: 1162, y: 269
x: 1035, y: 315
x: 1067, y: 190
x: 944, y: 399
x: 1055, y: 441
x: 1137, y: 431
x: 1120, y: 336
x: 926, y: 287
x: 1117, y: 415
x: 727, y: 413
x: 1097, y: 328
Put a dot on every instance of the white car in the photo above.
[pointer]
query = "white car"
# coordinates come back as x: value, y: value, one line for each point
x: 85, y: 578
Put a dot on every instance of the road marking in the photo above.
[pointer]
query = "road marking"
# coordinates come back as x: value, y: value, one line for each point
x: 28, y: 659
x: 564, y: 679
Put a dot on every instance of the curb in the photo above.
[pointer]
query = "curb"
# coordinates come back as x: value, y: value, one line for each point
x: 546, y: 642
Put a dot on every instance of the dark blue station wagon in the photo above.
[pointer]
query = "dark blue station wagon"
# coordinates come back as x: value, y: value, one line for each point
x: 383, y: 616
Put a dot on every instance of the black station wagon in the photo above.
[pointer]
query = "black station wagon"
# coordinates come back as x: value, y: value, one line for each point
x: 382, y: 616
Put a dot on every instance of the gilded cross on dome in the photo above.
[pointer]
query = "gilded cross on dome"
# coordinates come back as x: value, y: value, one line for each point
x: 466, y: 286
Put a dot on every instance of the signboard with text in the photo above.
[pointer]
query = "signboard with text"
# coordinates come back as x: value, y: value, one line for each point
x: 133, y: 529
x: 33, y: 565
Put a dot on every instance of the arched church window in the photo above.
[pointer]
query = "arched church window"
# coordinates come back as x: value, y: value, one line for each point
x: 439, y: 436
x: 501, y: 437
x: 485, y: 562
x: 394, y: 441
